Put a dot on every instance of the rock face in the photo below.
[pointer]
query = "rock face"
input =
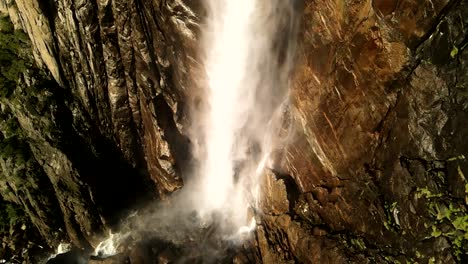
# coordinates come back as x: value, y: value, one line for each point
x: 379, y: 154
x: 374, y: 169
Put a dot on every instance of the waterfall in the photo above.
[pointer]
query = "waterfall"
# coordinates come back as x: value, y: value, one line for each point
x: 248, y: 48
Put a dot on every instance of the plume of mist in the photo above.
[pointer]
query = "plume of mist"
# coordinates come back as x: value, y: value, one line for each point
x: 248, y: 53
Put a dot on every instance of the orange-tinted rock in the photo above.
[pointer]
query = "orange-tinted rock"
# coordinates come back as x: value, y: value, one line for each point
x: 274, y: 194
x: 366, y: 110
x: 378, y: 116
x: 385, y: 7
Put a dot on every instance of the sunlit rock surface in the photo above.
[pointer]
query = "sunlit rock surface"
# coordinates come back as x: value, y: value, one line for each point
x: 373, y: 169
x: 379, y: 120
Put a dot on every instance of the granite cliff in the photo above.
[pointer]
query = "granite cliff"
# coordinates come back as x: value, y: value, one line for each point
x: 96, y: 109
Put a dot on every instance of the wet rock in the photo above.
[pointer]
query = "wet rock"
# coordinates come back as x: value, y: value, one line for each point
x: 274, y: 194
x: 375, y: 170
x: 74, y: 256
x: 373, y: 96
x: 118, y: 259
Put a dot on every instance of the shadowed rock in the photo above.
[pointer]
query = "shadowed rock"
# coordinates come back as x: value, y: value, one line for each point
x: 74, y: 256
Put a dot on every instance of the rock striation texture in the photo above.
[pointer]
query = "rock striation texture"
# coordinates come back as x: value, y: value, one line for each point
x: 377, y: 163
x: 374, y: 169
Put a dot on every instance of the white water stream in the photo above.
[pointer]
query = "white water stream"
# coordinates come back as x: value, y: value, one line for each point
x: 248, y: 49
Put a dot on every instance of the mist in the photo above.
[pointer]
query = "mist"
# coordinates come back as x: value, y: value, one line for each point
x: 247, y: 49
x: 248, y: 53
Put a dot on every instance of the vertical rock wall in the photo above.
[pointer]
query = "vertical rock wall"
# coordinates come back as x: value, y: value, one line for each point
x: 373, y: 169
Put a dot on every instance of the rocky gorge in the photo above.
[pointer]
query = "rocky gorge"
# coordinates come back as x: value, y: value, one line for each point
x: 97, y: 102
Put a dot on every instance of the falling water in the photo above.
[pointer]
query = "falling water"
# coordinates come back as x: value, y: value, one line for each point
x: 109, y: 246
x: 248, y: 49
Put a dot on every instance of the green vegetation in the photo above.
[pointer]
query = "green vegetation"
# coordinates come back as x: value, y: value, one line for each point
x: 16, y: 65
x: 10, y: 215
x: 391, y: 259
x: 21, y: 90
x: 391, y: 212
x: 14, y: 61
x: 424, y: 192
x: 358, y: 243
x: 454, y: 52
x: 14, y: 47
x: 450, y: 219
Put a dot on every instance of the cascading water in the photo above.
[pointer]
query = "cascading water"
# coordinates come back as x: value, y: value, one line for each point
x: 227, y: 51
x: 248, y: 48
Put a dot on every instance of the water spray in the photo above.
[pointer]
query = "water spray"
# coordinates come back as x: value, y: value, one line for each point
x: 247, y: 48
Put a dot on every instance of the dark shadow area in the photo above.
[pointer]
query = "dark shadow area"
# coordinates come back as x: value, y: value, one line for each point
x: 115, y: 185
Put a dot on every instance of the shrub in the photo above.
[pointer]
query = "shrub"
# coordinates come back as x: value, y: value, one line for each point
x: 14, y: 58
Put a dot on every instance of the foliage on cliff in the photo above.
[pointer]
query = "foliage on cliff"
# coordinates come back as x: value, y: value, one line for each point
x: 14, y: 45
x: 54, y: 162
x: 21, y: 177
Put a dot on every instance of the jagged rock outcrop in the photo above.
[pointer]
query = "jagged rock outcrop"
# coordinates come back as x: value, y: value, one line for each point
x: 374, y: 168
x: 126, y: 61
